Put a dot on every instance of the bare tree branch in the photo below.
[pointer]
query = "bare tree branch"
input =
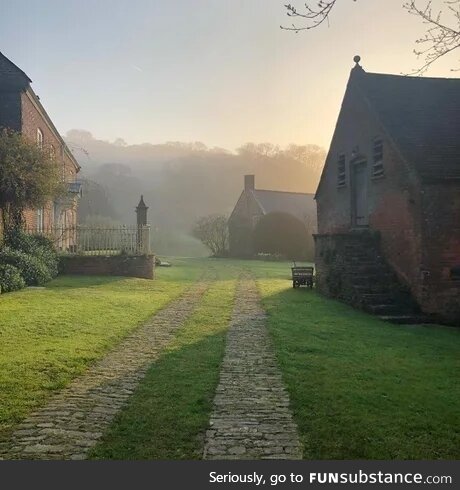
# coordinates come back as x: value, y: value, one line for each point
x: 440, y: 37
x: 212, y: 231
x: 314, y: 16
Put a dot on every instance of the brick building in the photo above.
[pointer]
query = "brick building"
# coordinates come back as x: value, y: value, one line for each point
x: 22, y: 111
x: 254, y: 203
x: 388, y: 201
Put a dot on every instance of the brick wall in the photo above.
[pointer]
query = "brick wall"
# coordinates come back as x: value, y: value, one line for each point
x: 241, y: 225
x: 419, y: 224
x: 32, y: 120
x: 441, y: 233
x: 394, y: 200
x: 117, y: 265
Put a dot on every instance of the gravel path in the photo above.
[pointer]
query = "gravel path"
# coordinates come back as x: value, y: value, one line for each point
x: 75, y: 418
x: 251, y: 418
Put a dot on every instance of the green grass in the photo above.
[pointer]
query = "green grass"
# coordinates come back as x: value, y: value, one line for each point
x: 359, y: 387
x: 168, y: 414
x: 50, y: 335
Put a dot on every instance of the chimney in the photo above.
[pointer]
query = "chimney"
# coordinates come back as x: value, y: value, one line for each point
x: 249, y: 182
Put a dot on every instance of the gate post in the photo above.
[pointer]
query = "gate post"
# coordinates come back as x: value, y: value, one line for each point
x: 143, y: 230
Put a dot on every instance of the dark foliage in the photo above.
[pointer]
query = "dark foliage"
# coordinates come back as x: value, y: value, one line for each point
x: 37, y: 246
x: 10, y: 278
x: 282, y: 233
x: 32, y: 269
x: 26, y: 260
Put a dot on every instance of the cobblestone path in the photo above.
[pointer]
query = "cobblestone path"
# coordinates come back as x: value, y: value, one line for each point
x: 75, y: 418
x: 251, y: 418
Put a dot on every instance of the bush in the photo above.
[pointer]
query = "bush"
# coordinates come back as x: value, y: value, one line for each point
x: 10, y: 278
x: 284, y: 235
x: 49, y: 258
x: 37, y: 246
x: 33, y: 270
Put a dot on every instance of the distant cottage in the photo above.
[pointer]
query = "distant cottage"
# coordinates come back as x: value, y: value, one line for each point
x: 389, y: 198
x: 22, y: 111
x: 254, y: 203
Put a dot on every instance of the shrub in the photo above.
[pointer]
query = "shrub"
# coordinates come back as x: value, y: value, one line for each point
x: 283, y: 234
x: 10, y: 278
x: 33, y: 270
x: 37, y: 246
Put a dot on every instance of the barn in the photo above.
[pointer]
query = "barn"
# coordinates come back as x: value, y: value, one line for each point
x: 255, y: 204
x: 388, y: 201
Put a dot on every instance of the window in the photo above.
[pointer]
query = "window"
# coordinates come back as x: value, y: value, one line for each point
x: 52, y: 152
x: 341, y: 172
x: 455, y: 273
x: 40, y: 220
x: 377, y: 167
x: 39, y: 138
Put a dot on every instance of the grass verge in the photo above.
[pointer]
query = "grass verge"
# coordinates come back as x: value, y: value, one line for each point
x: 359, y: 387
x: 50, y: 335
x: 169, y: 412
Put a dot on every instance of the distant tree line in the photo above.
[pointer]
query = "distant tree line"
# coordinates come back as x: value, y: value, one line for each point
x: 183, y: 182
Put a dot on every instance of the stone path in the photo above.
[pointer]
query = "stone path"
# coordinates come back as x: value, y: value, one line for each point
x: 251, y: 418
x: 75, y: 418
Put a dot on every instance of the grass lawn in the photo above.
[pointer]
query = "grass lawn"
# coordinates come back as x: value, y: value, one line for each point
x: 50, y: 335
x: 359, y: 387
x: 167, y: 416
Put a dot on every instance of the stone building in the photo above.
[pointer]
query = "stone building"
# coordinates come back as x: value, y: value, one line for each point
x: 388, y: 200
x: 254, y: 203
x: 22, y: 111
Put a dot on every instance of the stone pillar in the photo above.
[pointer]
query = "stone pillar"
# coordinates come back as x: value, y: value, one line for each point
x: 143, y: 229
x: 249, y: 182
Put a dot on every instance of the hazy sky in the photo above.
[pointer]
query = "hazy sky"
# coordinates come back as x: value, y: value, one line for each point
x: 217, y: 71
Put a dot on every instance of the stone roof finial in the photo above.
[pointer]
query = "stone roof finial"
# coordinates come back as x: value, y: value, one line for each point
x: 357, y: 59
x: 141, y: 204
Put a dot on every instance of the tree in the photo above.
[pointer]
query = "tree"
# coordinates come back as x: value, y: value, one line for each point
x: 212, y: 231
x: 29, y: 177
x: 283, y: 234
x: 441, y: 38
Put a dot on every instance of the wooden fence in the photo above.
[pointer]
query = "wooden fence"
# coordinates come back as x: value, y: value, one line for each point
x: 98, y: 240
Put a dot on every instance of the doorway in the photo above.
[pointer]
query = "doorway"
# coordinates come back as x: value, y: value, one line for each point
x: 359, y: 206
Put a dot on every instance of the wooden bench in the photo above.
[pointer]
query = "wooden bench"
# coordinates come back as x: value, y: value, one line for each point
x: 302, y: 276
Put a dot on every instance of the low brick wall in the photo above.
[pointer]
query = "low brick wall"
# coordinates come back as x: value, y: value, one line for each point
x: 142, y: 266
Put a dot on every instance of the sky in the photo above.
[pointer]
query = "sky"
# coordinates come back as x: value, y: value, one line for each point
x: 217, y: 71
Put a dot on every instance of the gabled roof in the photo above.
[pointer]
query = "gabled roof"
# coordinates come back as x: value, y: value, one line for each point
x: 12, y: 74
x: 422, y: 117
x: 295, y: 203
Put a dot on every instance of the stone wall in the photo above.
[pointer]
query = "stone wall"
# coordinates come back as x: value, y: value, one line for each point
x: 351, y: 267
x: 440, y: 285
x: 142, y: 266
x: 332, y: 262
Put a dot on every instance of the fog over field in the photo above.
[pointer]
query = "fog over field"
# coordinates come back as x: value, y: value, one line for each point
x: 182, y: 181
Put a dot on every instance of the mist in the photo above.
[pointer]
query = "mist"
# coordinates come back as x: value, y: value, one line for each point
x: 181, y: 182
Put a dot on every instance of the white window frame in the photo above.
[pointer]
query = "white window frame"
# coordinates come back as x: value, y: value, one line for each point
x: 378, y: 155
x: 40, y: 220
x: 40, y: 138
